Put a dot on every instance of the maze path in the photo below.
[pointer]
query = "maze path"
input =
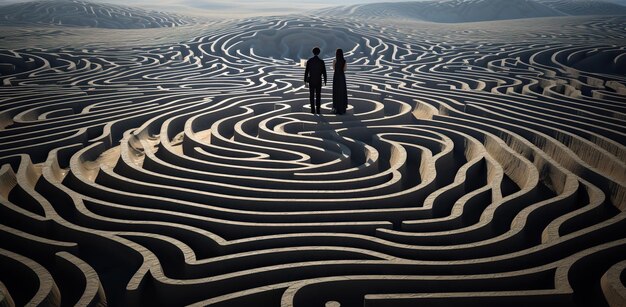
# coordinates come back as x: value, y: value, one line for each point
x: 482, y: 171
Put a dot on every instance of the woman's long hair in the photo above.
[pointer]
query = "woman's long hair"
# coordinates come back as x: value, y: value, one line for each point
x: 339, y: 55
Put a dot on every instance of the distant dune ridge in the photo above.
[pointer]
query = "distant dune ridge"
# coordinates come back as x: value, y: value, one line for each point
x: 86, y: 14
x: 586, y: 7
x: 452, y: 11
x: 103, y: 15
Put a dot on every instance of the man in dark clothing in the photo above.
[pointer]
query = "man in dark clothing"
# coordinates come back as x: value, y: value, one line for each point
x: 315, y: 69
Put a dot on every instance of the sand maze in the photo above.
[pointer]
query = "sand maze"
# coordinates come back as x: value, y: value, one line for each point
x: 470, y: 168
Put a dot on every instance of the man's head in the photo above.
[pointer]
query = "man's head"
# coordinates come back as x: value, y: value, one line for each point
x: 316, y: 50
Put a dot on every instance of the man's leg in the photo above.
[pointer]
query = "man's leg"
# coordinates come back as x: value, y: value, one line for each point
x: 318, y: 101
x: 312, y: 97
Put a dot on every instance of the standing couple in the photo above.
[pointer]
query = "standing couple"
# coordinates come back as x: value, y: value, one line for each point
x: 315, y: 69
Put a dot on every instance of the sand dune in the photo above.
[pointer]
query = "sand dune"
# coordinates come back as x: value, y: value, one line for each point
x: 478, y: 164
x: 454, y: 11
x: 586, y: 7
x: 85, y: 14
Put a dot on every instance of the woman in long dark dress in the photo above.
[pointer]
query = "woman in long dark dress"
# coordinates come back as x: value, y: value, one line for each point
x: 340, y: 92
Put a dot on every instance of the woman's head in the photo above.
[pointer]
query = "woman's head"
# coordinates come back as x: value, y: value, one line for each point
x: 339, y: 54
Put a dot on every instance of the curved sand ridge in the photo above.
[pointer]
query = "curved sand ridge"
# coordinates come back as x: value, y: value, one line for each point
x: 475, y: 166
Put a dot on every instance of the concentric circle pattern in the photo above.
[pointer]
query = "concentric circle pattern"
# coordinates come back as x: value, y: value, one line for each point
x: 477, y: 165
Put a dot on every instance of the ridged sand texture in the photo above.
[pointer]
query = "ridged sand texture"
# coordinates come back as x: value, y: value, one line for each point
x: 479, y: 164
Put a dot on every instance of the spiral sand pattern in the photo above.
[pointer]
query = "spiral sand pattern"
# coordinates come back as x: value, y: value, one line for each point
x: 477, y: 165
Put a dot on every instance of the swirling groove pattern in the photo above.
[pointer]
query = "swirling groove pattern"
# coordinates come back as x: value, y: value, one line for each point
x: 475, y: 166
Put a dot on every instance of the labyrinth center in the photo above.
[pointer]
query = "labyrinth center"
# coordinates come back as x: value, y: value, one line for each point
x: 478, y: 164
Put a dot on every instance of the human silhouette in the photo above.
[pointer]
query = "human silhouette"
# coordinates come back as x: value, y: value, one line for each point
x: 315, y: 69
x: 340, y: 92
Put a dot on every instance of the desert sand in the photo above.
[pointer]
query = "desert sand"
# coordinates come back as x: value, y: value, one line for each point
x: 154, y: 158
